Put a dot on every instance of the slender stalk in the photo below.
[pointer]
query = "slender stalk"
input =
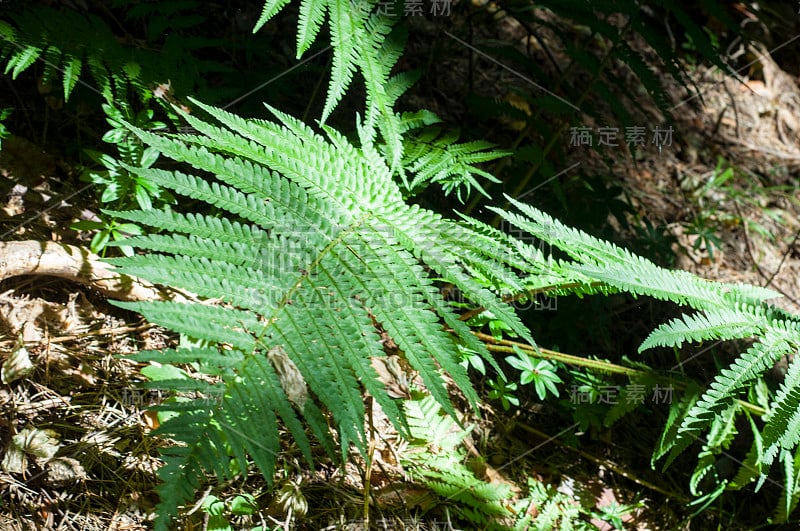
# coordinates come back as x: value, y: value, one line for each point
x: 507, y: 346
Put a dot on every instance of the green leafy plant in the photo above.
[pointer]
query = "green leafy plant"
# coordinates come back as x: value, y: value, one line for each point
x: 298, y: 332
x: 115, y: 63
x: 723, y: 312
x: 116, y: 185
x: 504, y: 391
x: 614, y: 512
x: 436, y: 459
x: 349, y: 254
x: 745, y: 192
x: 220, y: 510
x: 315, y: 259
x: 361, y: 41
x: 542, y: 373
x: 706, y: 234
x: 433, y: 157
x: 497, y: 327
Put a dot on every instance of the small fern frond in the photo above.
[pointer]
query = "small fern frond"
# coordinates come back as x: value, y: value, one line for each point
x: 361, y: 41
x: 182, y: 470
x: 715, y: 324
x: 751, y: 468
x: 437, y: 461
x: 428, y: 424
x: 270, y: 9
x: 309, y: 21
x: 720, y: 435
x: 669, y: 443
x: 37, y: 32
x: 790, y: 496
x: 346, y: 28
x: 436, y: 158
x: 721, y: 392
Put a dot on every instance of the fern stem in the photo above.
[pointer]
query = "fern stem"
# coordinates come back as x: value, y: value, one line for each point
x: 507, y: 346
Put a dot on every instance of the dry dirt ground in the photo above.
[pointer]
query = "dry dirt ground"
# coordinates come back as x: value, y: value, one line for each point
x: 73, y: 430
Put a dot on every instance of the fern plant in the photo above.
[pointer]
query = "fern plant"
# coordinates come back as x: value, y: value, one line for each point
x: 317, y: 257
x: 323, y: 247
x: 437, y: 460
x: 317, y: 248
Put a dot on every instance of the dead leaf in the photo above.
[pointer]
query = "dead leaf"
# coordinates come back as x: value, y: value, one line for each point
x: 17, y: 365
x: 63, y: 471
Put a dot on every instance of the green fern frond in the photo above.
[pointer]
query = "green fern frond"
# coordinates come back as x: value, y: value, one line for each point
x: 351, y: 254
x: 310, y: 19
x: 436, y: 158
x: 379, y: 50
x: 22, y: 60
x: 725, y: 311
x: 790, y: 496
x: 345, y: 36
x: 211, y: 358
x: 428, y: 424
x: 751, y: 468
x: 38, y: 34
x: 669, y: 443
x: 438, y: 463
x: 246, y: 287
x: 182, y: 471
x: 721, y: 433
x: 714, y: 324
x: 782, y: 431
x: 361, y: 42
x: 72, y: 72
x: 605, y: 262
x: 233, y: 427
x: 721, y: 392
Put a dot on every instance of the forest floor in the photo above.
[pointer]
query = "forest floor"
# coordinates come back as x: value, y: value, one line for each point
x: 69, y: 394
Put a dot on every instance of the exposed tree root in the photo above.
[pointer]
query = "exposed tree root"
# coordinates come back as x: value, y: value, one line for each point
x: 77, y: 264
